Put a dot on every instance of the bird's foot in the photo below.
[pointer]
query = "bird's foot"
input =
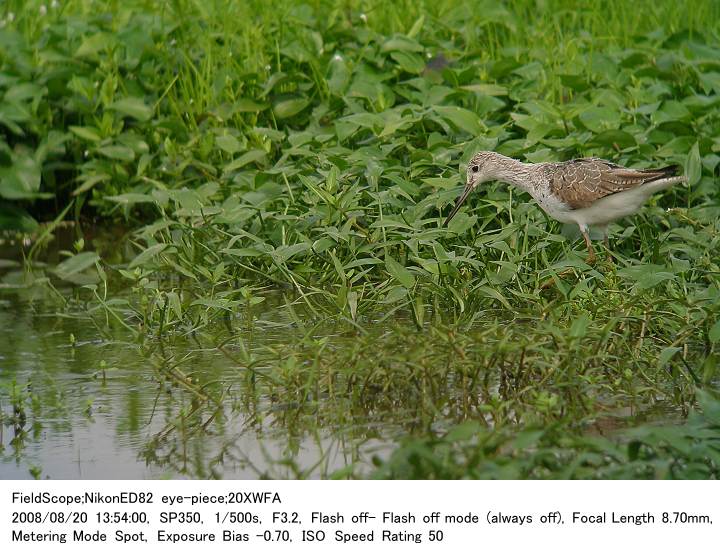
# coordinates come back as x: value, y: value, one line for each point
x: 551, y: 281
x: 608, y: 252
x: 590, y: 261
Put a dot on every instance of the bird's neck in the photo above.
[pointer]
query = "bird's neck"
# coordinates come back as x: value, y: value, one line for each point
x: 515, y: 173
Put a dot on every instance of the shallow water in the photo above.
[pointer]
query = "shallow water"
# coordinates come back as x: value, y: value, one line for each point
x: 119, y: 426
x: 98, y: 408
x: 82, y: 401
x: 83, y: 397
x: 94, y: 407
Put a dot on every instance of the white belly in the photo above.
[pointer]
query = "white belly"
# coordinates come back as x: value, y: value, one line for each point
x: 611, y: 208
x: 605, y: 210
x: 555, y: 208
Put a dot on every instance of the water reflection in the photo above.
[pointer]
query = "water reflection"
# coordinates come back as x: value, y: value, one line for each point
x: 79, y: 406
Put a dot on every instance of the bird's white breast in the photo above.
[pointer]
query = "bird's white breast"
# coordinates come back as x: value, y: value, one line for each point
x: 553, y: 206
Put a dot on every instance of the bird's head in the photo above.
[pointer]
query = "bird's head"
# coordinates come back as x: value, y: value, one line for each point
x: 481, y: 168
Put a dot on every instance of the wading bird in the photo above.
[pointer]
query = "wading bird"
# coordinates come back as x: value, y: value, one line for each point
x: 586, y: 191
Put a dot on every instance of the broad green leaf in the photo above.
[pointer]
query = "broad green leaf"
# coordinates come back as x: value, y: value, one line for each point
x: 395, y: 294
x: 579, y: 326
x: 710, y: 366
x: 714, y: 332
x: 651, y: 280
x: 331, y: 181
x: 290, y: 107
x: 242, y: 252
x: 339, y: 77
x: 118, y: 152
x: 16, y: 218
x: 23, y: 91
x: 402, y: 43
x: 362, y: 262
x: 352, y: 300
x: 646, y: 276
x: 228, y: 143
x: 95, y: 43
x: 443, y: 183
x: 174, y: 302
x: 675, y: 146
x: 671, y: 111
x: 20, y: 180
x: 710, y: 406
x: 51, y: 146
x: 247, y: 105
x: 131, y: 198
x: 461, y: 117
x: 613, y: 138
x: 461, y: 223
x: 338, y: 266
x: 408, y: 61
x: 341, y: 298
x: 147, y: 254
x: 133, y: 107
x: 187, y: 199
x: 89, y: 182
x: 489, y: 89
x: 399, y: 272
x: 365, y: 119
x: 486, y: 104
x: 463, y: 431
x: 255, y: 155
x: 417, y: 26
x: 75, y: 264
x: 88, y: 133
x: 224, y: 304
x: 487, y: 291
x: 693, y: 165
x: 710, y: 81
x: 538, y: 132
x: 527, y: 439
x: 323, y: 244
x: 345, y: 129
x: 576, y: 82
x: 600, y: 118
x: 285, y: 252
x: 666, y: 355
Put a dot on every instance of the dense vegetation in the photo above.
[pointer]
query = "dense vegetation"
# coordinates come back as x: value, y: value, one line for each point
x: 300, y: 158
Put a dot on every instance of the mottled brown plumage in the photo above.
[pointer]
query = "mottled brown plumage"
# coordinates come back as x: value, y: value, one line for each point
x: 580, y: 182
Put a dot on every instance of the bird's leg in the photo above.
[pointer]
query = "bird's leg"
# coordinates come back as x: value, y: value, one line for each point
x: 590, y: 260
x: 591, y: 252
x: 607, y: 246
x: 606, y: 243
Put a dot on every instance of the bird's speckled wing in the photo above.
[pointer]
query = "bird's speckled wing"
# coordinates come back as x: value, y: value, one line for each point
x: 581, y: 182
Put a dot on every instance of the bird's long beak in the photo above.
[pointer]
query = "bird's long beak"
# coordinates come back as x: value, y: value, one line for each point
x: 468, y: 189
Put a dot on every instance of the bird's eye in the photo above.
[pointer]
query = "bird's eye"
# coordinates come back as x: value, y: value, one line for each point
x: 475, y: 168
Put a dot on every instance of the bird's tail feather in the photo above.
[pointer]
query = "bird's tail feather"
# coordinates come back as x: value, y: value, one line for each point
x: 658, y: 184
x: 666, y: 172
x: 663, y: 178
